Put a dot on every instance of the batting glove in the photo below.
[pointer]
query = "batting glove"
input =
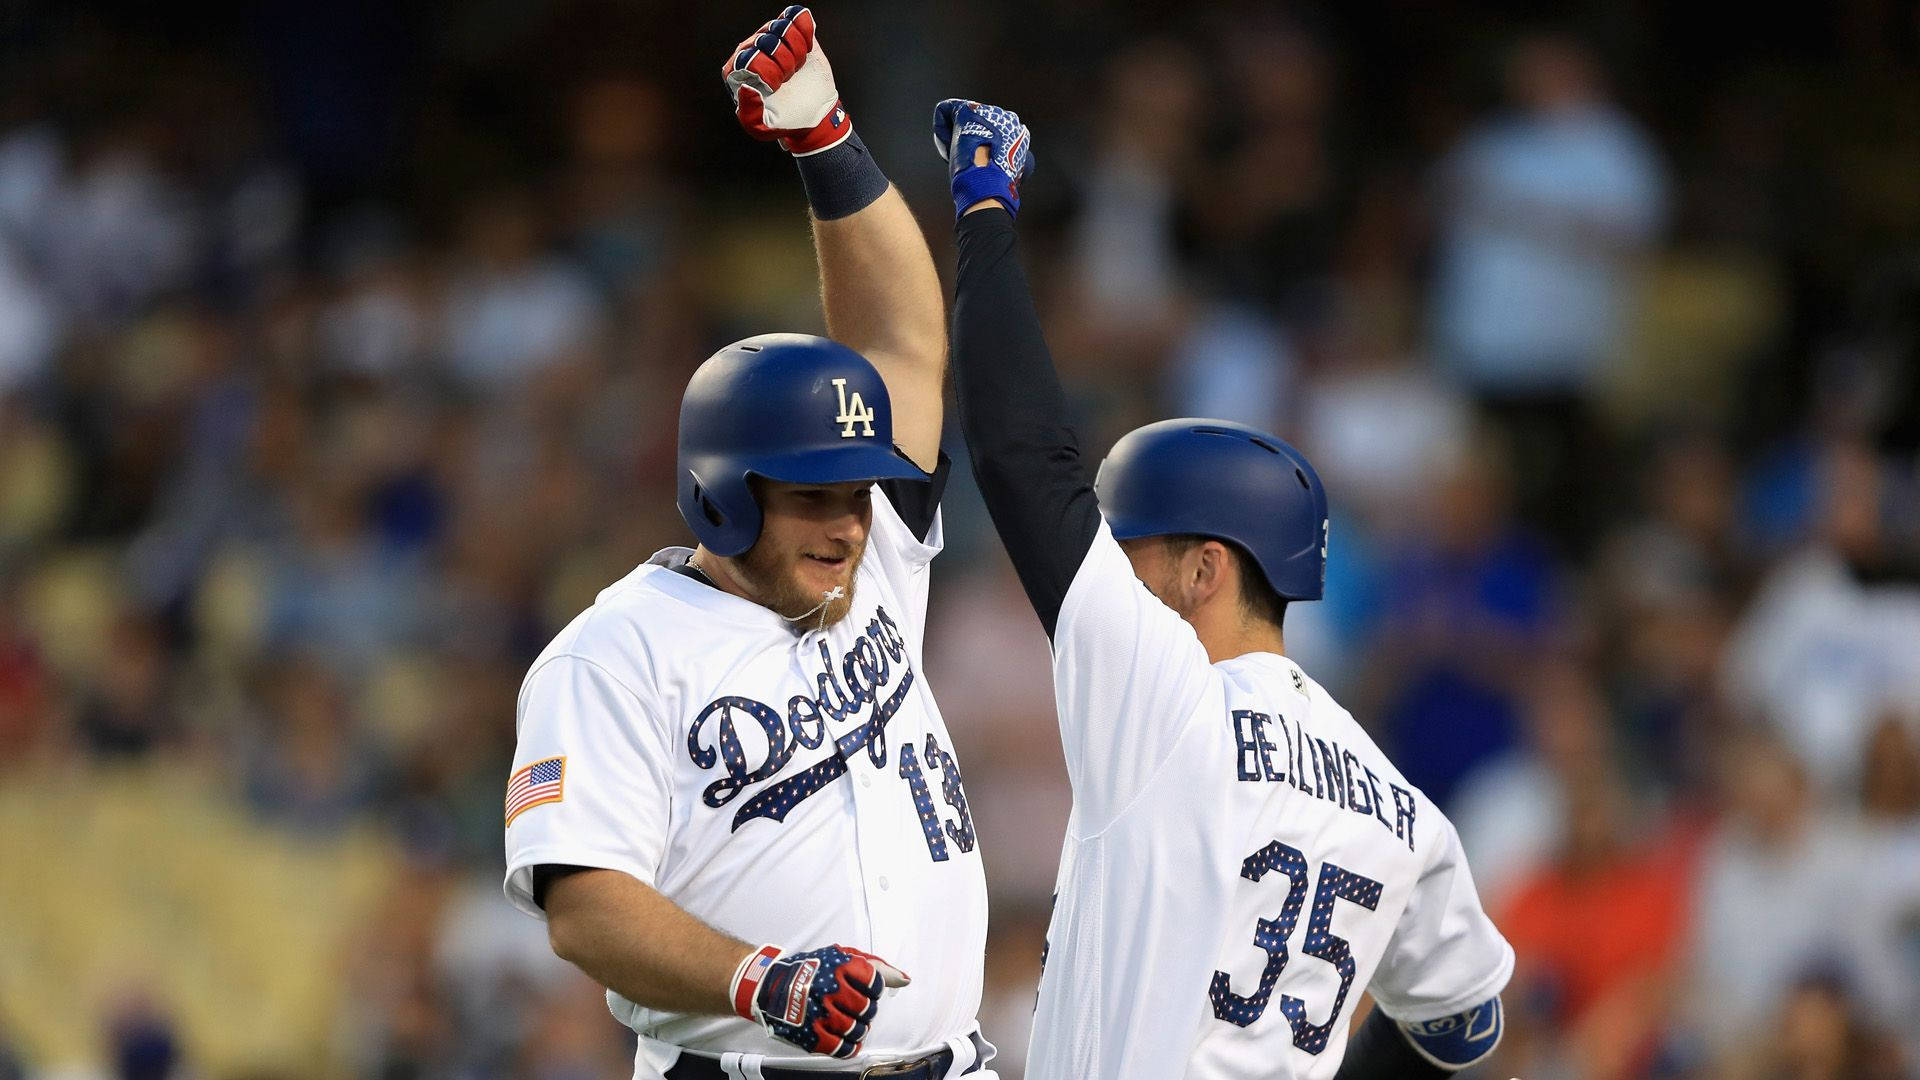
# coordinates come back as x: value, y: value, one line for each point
x: 959, y: 127
x: 782, y: 87
x: 821, y: 1001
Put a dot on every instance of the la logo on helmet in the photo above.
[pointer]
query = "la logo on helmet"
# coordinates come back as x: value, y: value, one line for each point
x: 852, y: 411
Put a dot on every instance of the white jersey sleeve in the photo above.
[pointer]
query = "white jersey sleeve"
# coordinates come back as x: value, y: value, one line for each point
x: 903, y: 559
x: 1445, y: 954
x: 611, y: 806
x: 1129, y: 675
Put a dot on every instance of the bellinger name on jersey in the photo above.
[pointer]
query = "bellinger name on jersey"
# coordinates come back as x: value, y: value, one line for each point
x: 1338, y: 775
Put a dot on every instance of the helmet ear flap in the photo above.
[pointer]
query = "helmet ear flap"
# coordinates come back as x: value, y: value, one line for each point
x: 708, y: 510
x: 724, y: 516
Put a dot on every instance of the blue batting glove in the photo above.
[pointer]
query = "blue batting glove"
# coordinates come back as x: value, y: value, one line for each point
x: 959, y: 127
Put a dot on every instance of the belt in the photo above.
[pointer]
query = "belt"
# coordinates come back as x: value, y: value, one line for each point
x: 693, y: 1065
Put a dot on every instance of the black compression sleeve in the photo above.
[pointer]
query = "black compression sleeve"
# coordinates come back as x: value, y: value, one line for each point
x: 1025, y: 457
x: 916, y: 500
x: 1378, y: 1051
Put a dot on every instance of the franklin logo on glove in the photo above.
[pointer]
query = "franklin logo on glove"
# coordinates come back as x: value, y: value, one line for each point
x: 821, y: 1000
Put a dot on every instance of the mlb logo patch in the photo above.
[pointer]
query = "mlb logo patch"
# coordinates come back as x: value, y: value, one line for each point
x: 534, y: 785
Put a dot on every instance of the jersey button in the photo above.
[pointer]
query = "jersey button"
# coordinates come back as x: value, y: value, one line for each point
x: 883, y: 883
x: 866, y: 780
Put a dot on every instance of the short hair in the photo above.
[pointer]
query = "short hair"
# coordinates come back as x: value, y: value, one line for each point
x: 1257, y: 596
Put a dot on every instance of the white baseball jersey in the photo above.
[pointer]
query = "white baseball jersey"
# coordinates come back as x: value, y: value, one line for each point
x: 1240, y: 863
x: 783, y: 784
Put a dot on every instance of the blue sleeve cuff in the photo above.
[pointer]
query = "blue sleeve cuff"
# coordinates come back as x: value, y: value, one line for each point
x: 1457, y: 1041
x: 974, y: 186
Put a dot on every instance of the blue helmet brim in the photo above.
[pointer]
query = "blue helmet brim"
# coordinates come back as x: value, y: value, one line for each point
x: 840, y: 465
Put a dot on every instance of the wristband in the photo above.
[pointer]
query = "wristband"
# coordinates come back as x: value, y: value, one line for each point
x: 843, y: 180
x: 747, y: 978
x: 976, y: 185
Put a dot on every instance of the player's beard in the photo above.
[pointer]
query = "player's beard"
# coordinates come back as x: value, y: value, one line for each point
x: 771, y: 574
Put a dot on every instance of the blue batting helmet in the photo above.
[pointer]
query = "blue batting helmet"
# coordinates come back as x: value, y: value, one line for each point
x: 789, y: 407
x: 1226, y: 481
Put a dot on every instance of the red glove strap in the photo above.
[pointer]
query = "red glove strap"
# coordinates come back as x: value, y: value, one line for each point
x: 747, y: 978
x: 831, y: 131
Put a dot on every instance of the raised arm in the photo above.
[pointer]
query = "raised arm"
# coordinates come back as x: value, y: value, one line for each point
x: 1128, y: 671
x: 1025, y: 457
x: 877, y: 282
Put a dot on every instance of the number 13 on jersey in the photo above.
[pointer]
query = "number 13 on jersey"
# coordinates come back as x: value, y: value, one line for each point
x: 1320, y: 942
x: 961, y: 830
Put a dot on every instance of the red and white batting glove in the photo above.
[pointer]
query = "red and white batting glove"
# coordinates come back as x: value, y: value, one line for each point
x: 821, y: 1001
x: 782, y: 86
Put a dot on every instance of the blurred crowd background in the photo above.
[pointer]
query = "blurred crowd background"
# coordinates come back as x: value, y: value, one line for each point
x: 340, y: 352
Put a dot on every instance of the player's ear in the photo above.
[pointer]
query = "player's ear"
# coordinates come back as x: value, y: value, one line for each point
x: 1209, y: 571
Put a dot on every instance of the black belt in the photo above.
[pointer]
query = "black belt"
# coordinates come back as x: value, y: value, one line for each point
x: 693, y: 1065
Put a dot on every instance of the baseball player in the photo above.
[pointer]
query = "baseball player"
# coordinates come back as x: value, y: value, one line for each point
x: 1241, y: 861
x: 733, y: 794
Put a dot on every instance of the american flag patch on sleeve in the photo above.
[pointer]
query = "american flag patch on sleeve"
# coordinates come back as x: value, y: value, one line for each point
x: 535, y: 784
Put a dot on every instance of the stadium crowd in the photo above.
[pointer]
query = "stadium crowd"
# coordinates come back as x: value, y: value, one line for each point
x: 340, y: 352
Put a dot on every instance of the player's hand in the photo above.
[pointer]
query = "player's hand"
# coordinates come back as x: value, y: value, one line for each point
x: 782, y: 86
x: 961, y: 131
x: 820, y: 1001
